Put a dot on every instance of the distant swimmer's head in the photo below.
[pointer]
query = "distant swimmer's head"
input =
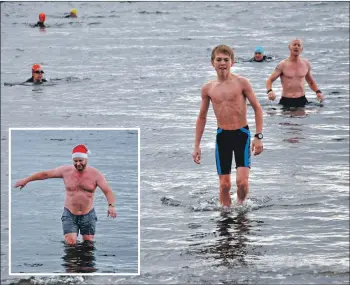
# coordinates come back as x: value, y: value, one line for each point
x: 80, y: 156
x: 222, y: 58
x: 42, y: 17
x: 296, y: 46
x: 73, y: 13
x: 259, y: 53
x: 37, y: 73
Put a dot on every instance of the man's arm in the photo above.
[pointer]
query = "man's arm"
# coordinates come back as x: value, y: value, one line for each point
x: 54, y: 173
x: 277, y: 73
x: 107, y: 191
x: 257, y: 146
x: 200, y: 123
x: 312, y: 84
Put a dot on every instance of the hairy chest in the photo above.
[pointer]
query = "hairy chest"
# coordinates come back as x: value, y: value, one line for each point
x: 80, y: 183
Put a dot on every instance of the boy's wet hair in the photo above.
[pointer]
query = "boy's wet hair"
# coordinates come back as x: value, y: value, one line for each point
x: 222, y: 49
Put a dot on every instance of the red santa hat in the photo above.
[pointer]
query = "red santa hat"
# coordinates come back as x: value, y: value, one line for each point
x: 80, y: 151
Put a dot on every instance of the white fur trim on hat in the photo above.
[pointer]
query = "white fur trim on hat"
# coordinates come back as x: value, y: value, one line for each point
x: 80, y: 155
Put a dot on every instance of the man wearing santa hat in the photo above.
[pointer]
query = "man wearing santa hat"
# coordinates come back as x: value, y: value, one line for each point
x: 80, y: 181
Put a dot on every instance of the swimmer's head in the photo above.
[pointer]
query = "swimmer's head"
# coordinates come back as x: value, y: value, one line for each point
x: 259, y: 50
x: 222, y: 49
x: 36, y: 67
x: 259, y: 53
x: 296, y: 46
x: 37, y: 72
x: 73, y: 13
x: 300, y: 41
x: 42, y: 17
x: 80, y: 156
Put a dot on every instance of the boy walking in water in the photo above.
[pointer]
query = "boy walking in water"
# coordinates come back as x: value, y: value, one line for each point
x: 228, y: 94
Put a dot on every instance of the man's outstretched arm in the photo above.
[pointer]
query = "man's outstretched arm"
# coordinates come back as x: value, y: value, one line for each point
x: 54, y: 173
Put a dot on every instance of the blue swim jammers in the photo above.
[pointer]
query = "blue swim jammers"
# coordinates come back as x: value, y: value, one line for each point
x: 229, y: 142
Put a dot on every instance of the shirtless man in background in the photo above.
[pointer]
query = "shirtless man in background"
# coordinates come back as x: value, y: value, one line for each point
x: 293, y: 72
x: 80, y: 181
x: 228, y: 95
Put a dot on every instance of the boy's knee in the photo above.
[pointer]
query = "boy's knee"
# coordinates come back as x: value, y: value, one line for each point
x: 242, y: 183
x: 225, y: 185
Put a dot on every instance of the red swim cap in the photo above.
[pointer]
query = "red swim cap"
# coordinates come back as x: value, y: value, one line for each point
x: 36, y: 67
x: 42, y: 17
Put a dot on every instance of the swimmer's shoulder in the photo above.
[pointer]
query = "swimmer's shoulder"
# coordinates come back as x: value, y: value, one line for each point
x: 207, y: 86
x: 267, y: 58
x: 280, y: 66
x: 241, y: 79
x: 284, y: 61
x: 65, y: 169
x: 95, y: 172
x: 305, y: 61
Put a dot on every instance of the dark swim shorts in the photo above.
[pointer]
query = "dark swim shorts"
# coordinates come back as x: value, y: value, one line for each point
x: 294, y: 102
x: 229, y: 141
x: 86, y: 224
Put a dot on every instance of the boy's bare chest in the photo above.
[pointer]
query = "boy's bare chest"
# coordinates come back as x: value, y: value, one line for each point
x: 229, y: 93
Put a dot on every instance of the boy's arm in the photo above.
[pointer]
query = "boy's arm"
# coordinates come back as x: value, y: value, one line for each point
x: 201, y: 121
x: 257, y: 145
x: 253, y: 100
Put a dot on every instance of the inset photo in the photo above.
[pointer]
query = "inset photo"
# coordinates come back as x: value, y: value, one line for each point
x: 74, y: 201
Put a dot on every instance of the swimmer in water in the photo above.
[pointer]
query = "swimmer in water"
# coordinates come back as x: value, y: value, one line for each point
x: 37, y: 74
x: 259, y: 55
x: 72, y: 14
x: 80, y: 182
x: 41, y: 22
x: 229, y: 94
x: 293, y: 72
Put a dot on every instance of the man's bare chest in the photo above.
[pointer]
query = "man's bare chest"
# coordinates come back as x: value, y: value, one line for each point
x: 79, y: 183
x: 295, y: 71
